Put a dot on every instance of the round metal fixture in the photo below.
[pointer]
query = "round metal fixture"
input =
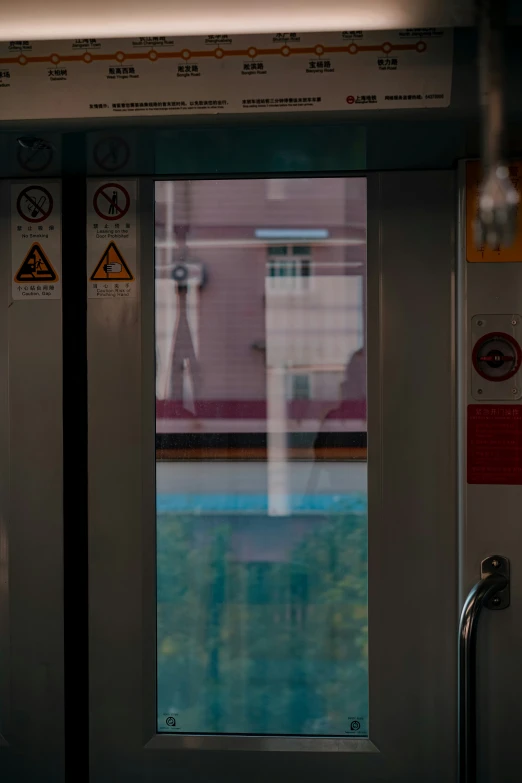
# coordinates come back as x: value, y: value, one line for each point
x: 497, y: 356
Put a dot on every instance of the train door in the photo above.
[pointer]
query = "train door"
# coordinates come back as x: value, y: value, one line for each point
x: 297, y: 393
x: 31, y: 498
x: 271, y: 396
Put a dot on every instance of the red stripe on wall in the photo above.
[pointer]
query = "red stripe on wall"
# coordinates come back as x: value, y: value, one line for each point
x: 257, y: 409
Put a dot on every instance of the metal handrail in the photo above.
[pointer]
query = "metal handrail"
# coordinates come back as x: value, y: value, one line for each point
x: 484, y: 592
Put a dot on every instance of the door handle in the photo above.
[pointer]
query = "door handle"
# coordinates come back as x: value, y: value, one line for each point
x: 492, y: 592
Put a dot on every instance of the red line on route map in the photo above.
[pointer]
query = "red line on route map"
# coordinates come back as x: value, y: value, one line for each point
x: 186, y: 54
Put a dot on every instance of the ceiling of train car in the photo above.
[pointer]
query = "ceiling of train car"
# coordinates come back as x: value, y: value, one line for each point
x: 61, y: 19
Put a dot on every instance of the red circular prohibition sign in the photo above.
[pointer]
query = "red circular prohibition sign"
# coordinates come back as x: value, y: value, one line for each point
x: 111, y: 201
x: 508, y: 339
x: 111, y: 153
x: 34, y: 204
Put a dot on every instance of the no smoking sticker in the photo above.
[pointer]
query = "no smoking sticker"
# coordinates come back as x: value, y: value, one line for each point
x: 36, y: 243
x: 36, y: 159
x: 34, y: 204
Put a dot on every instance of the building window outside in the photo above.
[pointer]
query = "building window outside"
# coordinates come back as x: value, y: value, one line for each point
x: 289, y: 268
x: 299, y: 387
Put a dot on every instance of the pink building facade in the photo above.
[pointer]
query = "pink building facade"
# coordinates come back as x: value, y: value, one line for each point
x: 260, y: 307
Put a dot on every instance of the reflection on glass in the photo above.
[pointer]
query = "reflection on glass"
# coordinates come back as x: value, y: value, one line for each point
x: 261, y: 457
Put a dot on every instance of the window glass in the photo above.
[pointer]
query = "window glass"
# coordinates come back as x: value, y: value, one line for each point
x: 261, y: 457
x: 301, y: 387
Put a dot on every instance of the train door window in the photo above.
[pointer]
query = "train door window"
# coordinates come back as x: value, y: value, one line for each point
x: 261, y: 473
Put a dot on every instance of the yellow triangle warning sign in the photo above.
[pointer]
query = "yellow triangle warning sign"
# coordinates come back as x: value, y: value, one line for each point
x: 36, y: 266
x: 112, y: 266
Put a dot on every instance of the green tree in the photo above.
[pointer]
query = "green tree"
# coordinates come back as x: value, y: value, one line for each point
x: 262, y: 647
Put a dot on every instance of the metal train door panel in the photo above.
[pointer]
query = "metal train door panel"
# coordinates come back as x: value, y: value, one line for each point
x: 31, y: 567
x: 265, y: 423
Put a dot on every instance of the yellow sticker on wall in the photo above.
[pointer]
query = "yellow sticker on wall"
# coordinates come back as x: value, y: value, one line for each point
x: 501, y: 254
x: 112, y: 265
x: 36, y: 267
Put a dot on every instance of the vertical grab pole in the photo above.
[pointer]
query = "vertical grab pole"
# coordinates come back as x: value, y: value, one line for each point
x: 492, y: 591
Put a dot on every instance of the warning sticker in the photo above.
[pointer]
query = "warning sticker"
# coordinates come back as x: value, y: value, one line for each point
x: 112, y: 266
x: 111, y: 201
x: 34, y: 204
x: 34, y: 159
x: 485, y: 254
x: 494, y: 444
x: 111, y: 239
x: 111, y: 153
x: 36, y: 252
x: 36, y: 266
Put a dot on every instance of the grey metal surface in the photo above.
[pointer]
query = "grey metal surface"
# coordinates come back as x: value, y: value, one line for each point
x: 412, y: 489
x: 412, y: 521
x: 492, y: 592
x: 490, y: 521
x: 5, y: 292
x: 238, y: 742
x: 116, y: 566
x: 31, y: 705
